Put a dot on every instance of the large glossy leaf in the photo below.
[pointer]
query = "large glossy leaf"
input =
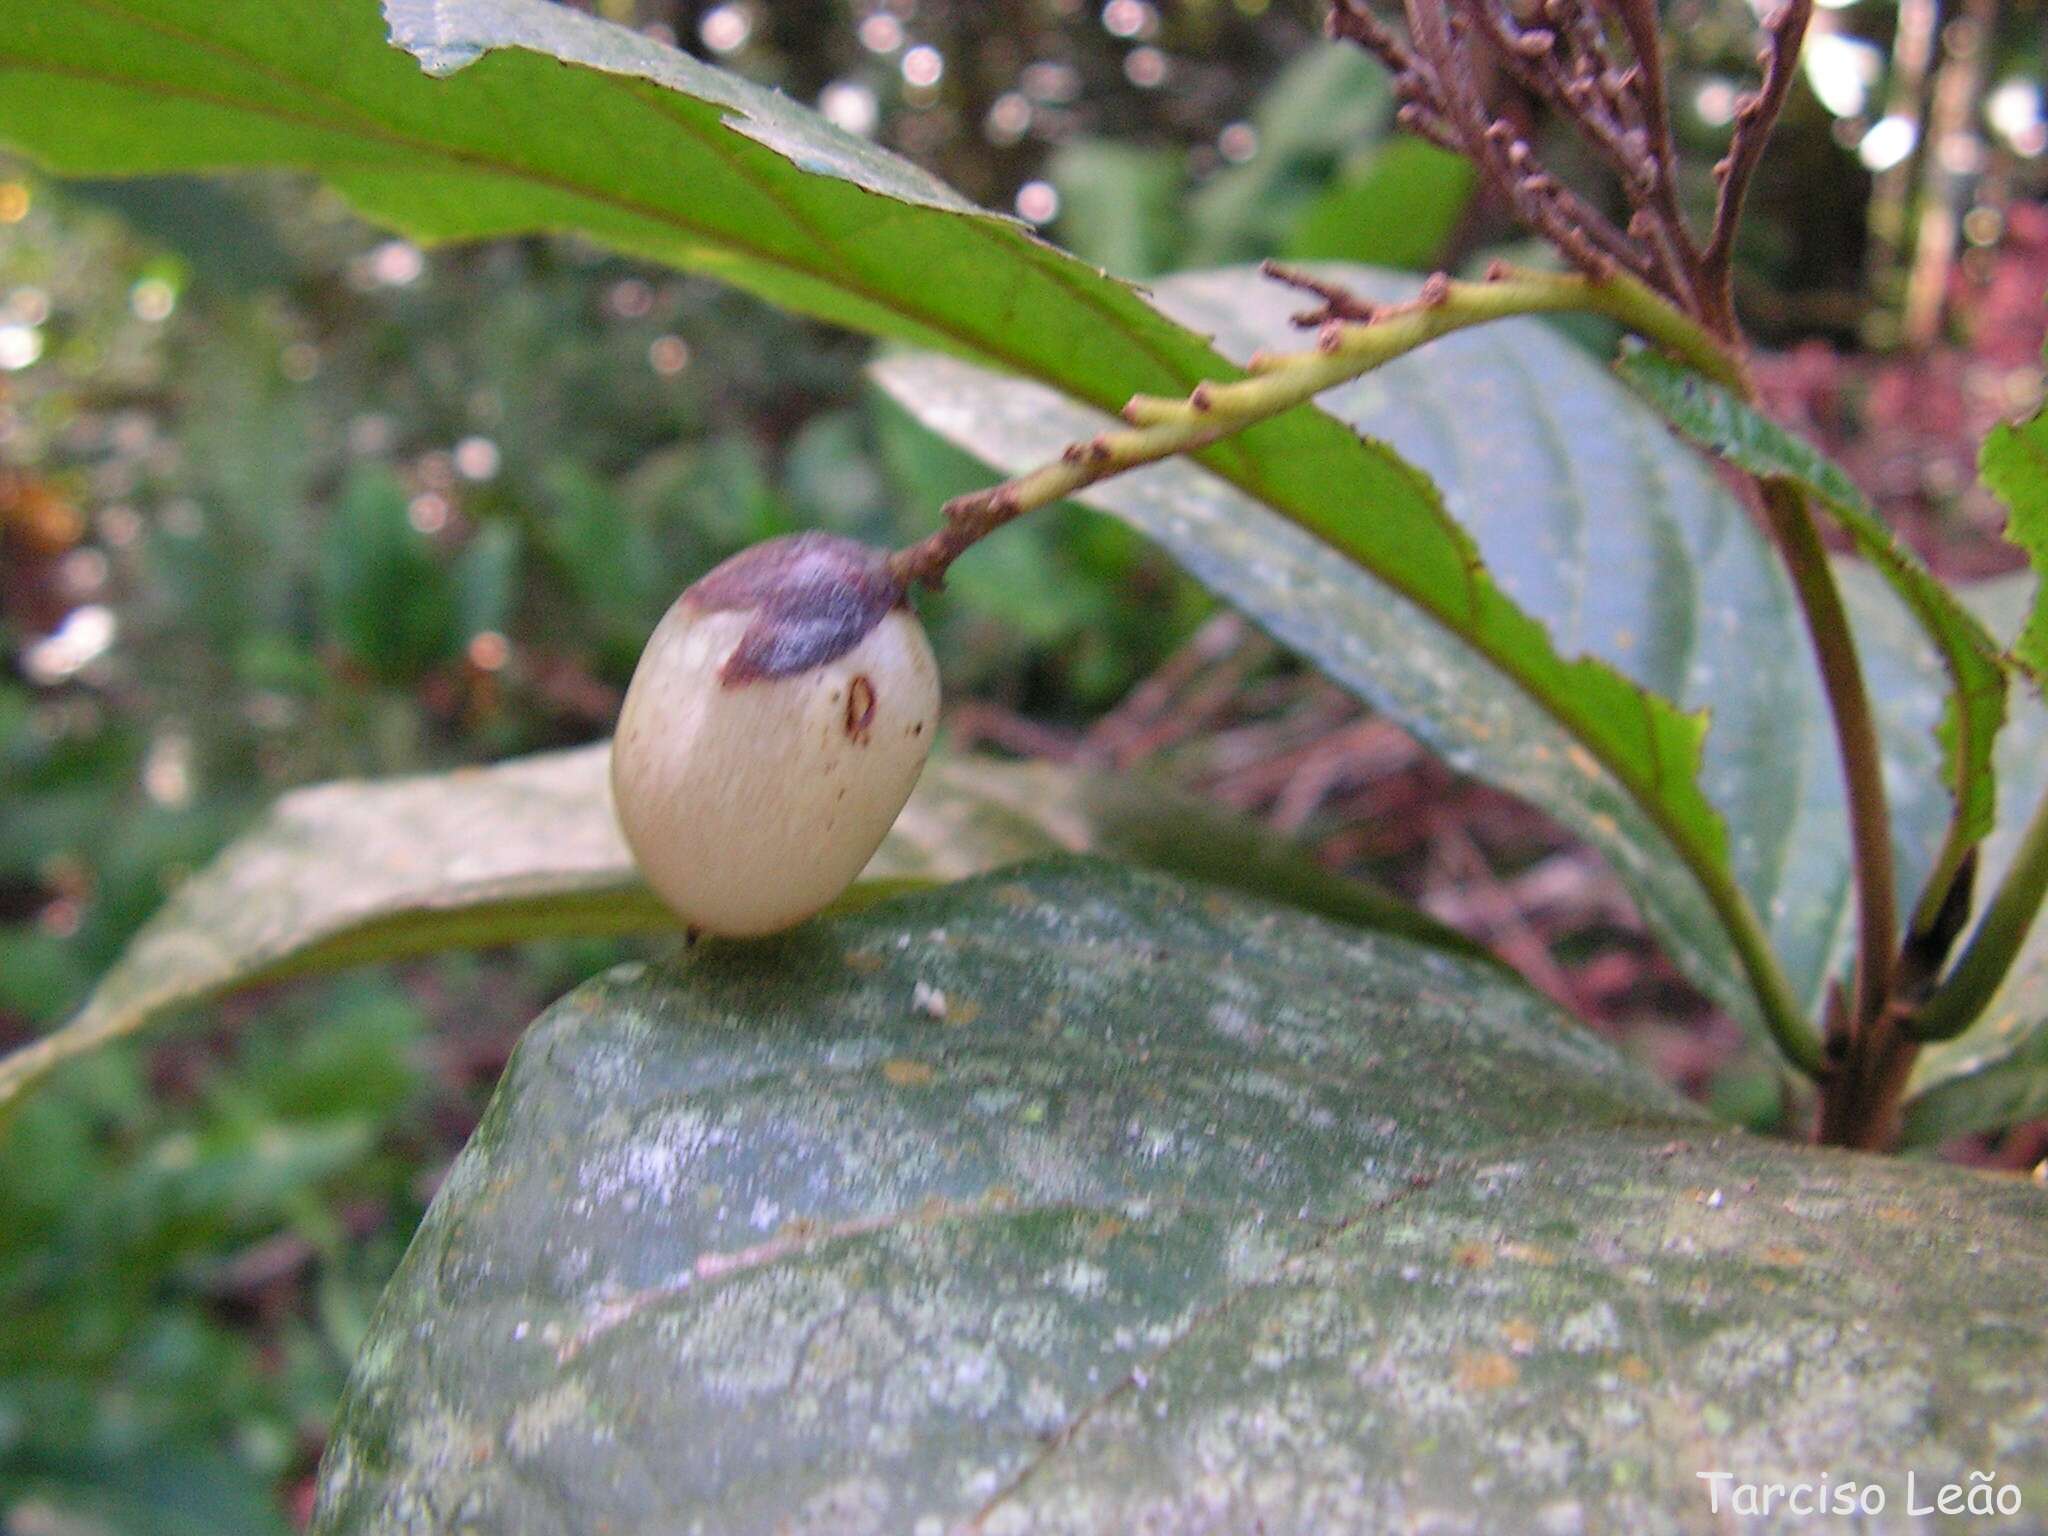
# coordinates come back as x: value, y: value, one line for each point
x: 346, y: 873
x: 1995, y: 1074
x: 1715, y: 420
x: 550, y: 120
x: 1595, y: 520
x: 1180, y: 1214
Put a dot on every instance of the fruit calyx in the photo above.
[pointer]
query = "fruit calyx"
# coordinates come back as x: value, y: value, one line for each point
x: 814, y: 597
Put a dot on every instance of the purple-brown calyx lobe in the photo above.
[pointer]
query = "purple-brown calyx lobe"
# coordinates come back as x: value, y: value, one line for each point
x: 814, y: 597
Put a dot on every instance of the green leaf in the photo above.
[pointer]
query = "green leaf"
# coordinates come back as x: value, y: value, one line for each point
x: 346, y: 873
x: 384, y: 597
x: 1120, y: 204
x: 174, y: 1490
x: 602, y: 550
x: 1995, y: 1091
x: 1326, y: 103
x: 2014, y: 463
x: 1995, y: 1074
x: 1188, y: 1214
x: 726, y: 178
x: 212, y: 229
x: 544, y: 118
x: 486, y: 577
x: 1714, y: 419
x: 1595, y: 524
x: 607, y: 555
x: 1397, y: 210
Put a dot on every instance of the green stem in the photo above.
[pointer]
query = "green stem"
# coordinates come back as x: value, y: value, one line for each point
x: 1968, y: 989
x: 1163, y: 428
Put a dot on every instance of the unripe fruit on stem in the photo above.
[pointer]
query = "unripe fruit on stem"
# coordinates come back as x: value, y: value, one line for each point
x: 774, y: 728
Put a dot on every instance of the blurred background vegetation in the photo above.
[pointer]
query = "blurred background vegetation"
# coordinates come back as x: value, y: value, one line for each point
x: 283, y: 499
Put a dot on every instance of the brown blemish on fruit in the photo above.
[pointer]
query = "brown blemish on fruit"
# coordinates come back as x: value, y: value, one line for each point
x: 860, y: 707
x: 813, y: 596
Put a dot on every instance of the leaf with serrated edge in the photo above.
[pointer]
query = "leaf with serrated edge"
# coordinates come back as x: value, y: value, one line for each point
x: 1187, y: 1214
x: 551, y: 120
x: 346, y: 873
x: 1715, y: 420
x: 558, y: 121
x: 1614, y: 536
x: 1995, y: 1074
x: 2014, y: 463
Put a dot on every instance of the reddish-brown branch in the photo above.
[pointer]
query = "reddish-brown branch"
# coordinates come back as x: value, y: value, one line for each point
x: 1564, y: 53
x: 1859, y: 1101
x: 1755, y: 116
x: 1546, y: 65
x: 1639, y: 21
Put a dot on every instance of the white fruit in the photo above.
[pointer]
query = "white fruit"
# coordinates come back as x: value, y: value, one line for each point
x: 750, y: 805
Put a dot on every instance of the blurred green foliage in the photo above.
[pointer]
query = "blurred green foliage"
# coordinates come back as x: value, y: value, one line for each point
x: 1316, y: 173
x: 149, y: 1378
x: 369, y: 510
